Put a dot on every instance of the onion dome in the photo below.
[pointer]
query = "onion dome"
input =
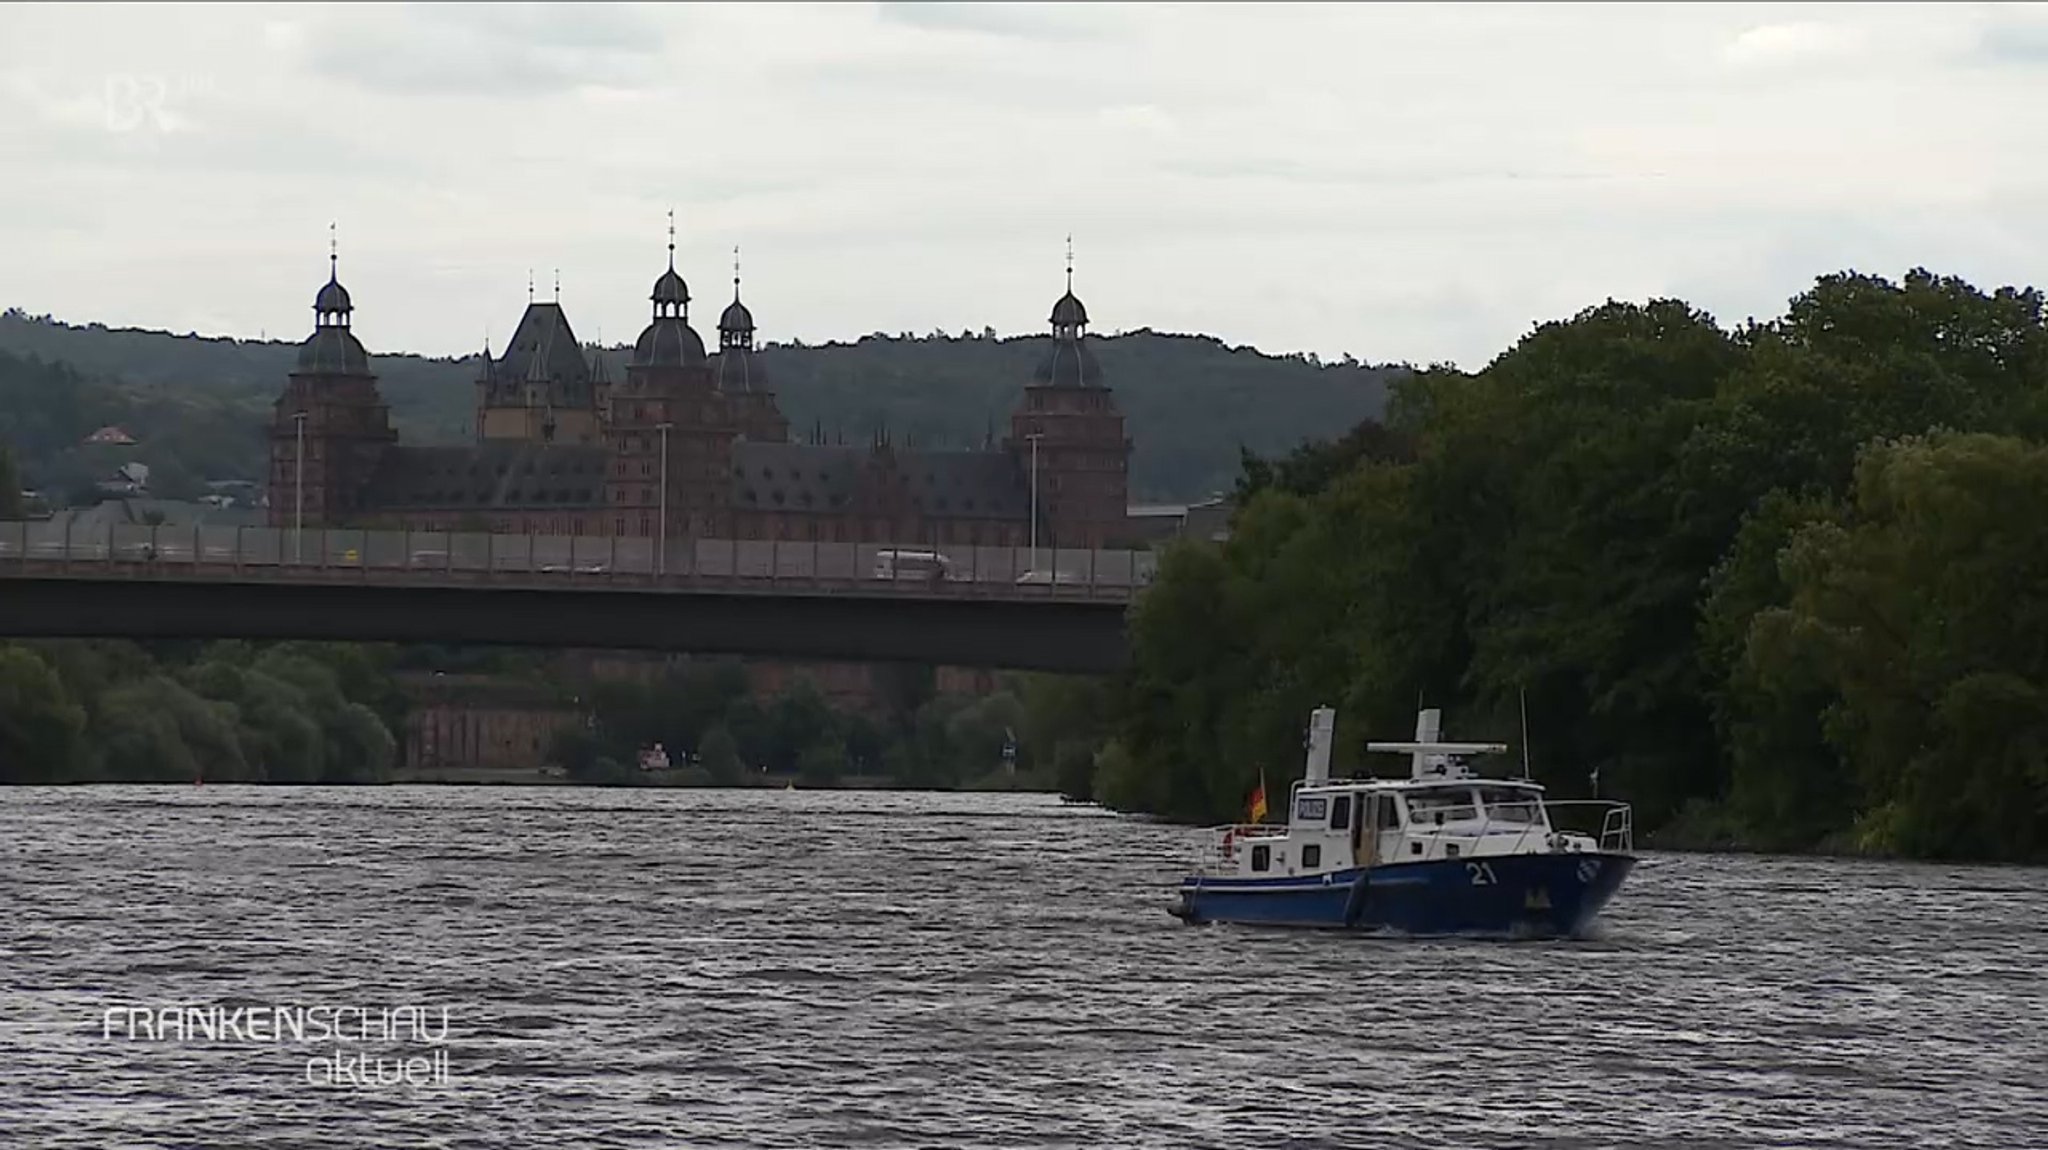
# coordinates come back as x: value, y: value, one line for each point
x: 668, y: 342
x: 1070, y: 364
x: 735, y: 318
x: 1069, y: 312
x: 333, y: 299
x: 670, y: 290
x: 332, y: 349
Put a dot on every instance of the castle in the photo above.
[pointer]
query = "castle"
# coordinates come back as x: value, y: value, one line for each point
x: 690, y: 435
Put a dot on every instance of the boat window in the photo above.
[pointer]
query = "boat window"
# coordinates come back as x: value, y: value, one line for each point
x: 1448, y: 805
x: 1340, y: 813
x: 1311, y: 856
x: 1262, y: 857
x: 1311, y: 810
x: 1390, y: 814
x: 1511, y: 805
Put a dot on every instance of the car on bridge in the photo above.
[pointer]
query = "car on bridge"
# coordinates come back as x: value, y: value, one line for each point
x: 1050, y: 578
x: 915, y: 566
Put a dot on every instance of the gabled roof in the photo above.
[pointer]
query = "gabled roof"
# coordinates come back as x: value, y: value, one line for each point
x: 543, y: 347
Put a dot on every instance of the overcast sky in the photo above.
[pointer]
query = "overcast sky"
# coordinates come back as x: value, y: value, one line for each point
x: 1400, y: 183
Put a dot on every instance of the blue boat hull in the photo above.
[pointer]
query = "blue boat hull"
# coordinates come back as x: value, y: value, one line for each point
x: 1528, y: 895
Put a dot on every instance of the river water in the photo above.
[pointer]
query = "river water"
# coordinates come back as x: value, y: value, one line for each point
x: 639, y: 968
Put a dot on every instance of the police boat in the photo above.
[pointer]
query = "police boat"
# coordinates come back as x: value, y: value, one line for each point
x: 1443, y: 851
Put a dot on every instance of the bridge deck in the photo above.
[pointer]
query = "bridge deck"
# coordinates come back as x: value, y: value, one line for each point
x: 429, y: 559
x: 992, y: 607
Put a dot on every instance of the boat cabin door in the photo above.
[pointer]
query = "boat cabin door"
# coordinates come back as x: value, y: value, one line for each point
x: 1365, y: 829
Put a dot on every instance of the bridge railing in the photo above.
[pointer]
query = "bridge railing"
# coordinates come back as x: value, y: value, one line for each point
x: 139, y: 550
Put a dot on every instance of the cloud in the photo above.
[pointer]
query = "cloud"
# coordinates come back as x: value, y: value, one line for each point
x: 1408, y: 182
x: 1787, y: 45
x: 524, y: 51
x: 2014, y: 35
x: 1044, y: 22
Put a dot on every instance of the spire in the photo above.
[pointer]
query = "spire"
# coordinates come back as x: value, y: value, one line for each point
x: 331, y: 307
x: 735, y: 273
x: 671, y: 239
x: 529, y: 285
x: 1070, y: 263
x: 558, y: 285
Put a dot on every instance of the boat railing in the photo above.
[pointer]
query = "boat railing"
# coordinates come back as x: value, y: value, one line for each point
x: 1617, y: 833
x: 1222, y: 846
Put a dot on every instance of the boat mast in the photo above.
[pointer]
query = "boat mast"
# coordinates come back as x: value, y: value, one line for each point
x: 1523, y: 693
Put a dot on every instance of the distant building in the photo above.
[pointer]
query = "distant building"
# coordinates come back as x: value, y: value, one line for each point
x: 111, y: 435
x: 567, y: 445
x: 127, y: 479
x: 480, y: 722
x: 89, y: 522
x: 1159, y: 522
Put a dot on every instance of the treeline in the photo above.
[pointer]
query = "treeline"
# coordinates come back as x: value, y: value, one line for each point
x: 88, y: 711
x: 1782, y: 587
x: 201, y: 406
x: 716, y: 734
x: 332, y: 713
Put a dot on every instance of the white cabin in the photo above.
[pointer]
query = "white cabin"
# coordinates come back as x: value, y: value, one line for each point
x: 1443, y: 810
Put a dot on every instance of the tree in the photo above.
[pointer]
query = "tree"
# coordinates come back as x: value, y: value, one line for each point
x: 40, y: 726
x: 820, y: 763
x: 1923, y: 612
x: 10, y: 486
x: 721, y: 757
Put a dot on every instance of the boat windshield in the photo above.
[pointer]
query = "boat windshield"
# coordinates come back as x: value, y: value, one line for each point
x: 1441, y: 805
x: 1512, y: 805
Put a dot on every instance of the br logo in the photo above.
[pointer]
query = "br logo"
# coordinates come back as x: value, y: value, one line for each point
x: 145, y: 101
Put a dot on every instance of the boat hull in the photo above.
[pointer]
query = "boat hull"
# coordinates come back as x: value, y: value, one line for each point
x: 1525, y: 895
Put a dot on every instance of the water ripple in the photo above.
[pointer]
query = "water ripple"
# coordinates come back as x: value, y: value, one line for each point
x: 811, y: 969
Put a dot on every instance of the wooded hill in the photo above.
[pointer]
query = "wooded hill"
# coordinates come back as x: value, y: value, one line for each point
x: 199, y: 404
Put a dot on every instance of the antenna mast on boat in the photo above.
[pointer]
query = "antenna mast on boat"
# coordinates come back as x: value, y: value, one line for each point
x: 1523, y: 692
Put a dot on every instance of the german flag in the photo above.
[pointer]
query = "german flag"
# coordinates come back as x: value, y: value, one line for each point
x: 1258, y: 807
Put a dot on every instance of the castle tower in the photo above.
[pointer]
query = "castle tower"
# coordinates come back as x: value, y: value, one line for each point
x: 1083, y: 452
x: 739, y: 374
x: 668, y: 404
x: 329, y: 427
x: 541, y: 391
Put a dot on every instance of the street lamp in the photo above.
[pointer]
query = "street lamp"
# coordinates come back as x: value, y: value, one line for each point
x: 661, y: 547
x: 1034, y: 437
x: 299, y: 490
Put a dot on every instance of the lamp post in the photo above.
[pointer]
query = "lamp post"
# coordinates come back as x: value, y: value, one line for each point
x: 1034, y: 437
x: 299, y: 490
x: 661, y: 546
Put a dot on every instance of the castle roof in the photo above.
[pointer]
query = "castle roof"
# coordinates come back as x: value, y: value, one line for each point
x: 333, y: 350
x: 493, y: 475
x: 938, y: 484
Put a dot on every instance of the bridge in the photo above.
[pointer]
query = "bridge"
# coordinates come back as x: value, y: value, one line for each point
x: 1018, y: 608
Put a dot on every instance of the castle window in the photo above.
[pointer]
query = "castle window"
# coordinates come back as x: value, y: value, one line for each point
x: 777, y: 496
